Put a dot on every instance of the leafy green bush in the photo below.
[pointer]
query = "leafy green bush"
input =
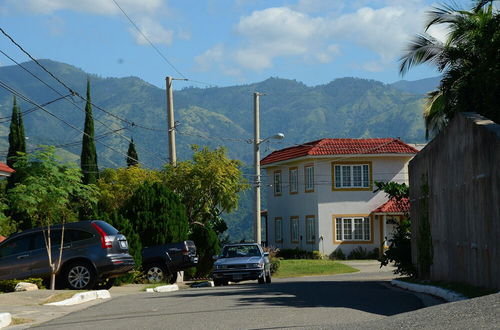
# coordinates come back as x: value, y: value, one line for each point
x: 298, y: 254
x: 399, y: 251
x: 361, y: 253
x: 10, y: 285
x: 338, y: 254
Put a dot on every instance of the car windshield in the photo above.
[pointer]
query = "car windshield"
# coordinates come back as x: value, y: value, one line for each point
x: 238, y: 251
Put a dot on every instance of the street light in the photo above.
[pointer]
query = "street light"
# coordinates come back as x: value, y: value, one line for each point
x: 257, y: 143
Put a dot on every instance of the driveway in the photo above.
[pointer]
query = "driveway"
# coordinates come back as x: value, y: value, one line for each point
x: 309, y: 302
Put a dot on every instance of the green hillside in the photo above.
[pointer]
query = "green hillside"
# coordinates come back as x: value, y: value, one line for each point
x: 346, y: 107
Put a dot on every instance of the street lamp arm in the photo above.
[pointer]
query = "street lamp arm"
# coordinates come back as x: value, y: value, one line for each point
x: 279, y: 136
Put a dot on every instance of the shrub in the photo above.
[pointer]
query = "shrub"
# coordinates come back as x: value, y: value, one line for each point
x: 338, y: 254
x: 298, y: 254
x: 10, y: 285
x: 273, y: 259
x: 399, y: 251
x: 361, y: 253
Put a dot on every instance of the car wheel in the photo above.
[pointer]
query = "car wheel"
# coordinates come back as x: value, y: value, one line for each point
x: 80, y: 276
x: 105, y: 284
x: 172, y: 278
x: 262, y: 279
x: 268, y: 277
x: 217, y: 282
x: 155, y: 273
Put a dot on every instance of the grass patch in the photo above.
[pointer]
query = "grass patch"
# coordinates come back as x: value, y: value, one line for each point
x: 19, y: 320
x: 465, y: 290
x: 60, y: 297
x: 309, y: 267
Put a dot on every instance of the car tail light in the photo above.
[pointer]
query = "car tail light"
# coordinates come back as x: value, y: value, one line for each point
x: 106, y: 241
x: 186, y: 249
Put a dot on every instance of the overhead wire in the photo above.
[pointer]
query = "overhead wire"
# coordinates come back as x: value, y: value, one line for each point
x: 80, y: 109
x: 27, y: 99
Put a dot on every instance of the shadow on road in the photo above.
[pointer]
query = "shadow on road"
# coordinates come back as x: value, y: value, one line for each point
x: 370, y: 296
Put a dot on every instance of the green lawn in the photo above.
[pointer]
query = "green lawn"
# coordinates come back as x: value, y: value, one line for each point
x: 308, y: 267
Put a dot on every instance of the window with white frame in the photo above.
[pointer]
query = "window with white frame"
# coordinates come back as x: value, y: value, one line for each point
x: 293, y: 180
x: 351, y: 176
x: 277, y: 183
x: 309, y: 178
x: 294, y: 229
x: 353, y: 229
x: 310, y: 229
x: 278, y: 230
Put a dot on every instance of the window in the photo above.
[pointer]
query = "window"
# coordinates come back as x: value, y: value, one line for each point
x: 353, y: 229
x: 309, y: 178
x: 352, y: 176
x: 294, y: 229
x: 293, y: 180
x: 278, y: 230
x: 16, y: 246
x: 310, y: 229
x: 277, y: 183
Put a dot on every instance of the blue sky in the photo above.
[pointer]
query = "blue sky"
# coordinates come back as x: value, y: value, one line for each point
x: 220, y: 42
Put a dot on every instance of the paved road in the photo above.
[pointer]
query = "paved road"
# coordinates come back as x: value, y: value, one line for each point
x: 310, y: 302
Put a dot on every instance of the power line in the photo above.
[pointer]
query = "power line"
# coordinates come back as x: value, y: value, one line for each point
x: 25, y: 112
x: 147, y: 39
x: 25, y: 98
x: 76, y: 106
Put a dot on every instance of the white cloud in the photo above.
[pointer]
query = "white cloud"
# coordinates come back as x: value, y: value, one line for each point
x: 154, y: 32
x: 316, y: 31
x: 145, y: 13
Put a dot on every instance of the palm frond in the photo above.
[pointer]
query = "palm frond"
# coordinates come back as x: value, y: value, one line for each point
x: 435, y: 113
x: 423, y: 48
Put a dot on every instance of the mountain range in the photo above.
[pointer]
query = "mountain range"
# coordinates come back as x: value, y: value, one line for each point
x: 132, y: 108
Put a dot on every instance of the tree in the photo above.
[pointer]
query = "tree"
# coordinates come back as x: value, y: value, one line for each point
x: 132, y: 157
x: 17, y: 142
x: 469, y: 61
x: 88, y: 159
x: 209, y: 185
x: 399, y: 250
x: 50, y: 193
x: 156, y: 214
x: 118, y: 185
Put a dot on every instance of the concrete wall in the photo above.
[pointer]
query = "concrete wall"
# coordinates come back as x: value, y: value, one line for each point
x: 324, y: 202
x: 462, y: 165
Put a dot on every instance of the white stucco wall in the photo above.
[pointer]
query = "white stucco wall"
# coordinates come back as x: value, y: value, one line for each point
x: 324, y: 202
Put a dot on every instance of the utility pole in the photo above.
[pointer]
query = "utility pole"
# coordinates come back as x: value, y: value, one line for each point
x: 171, y: 122
x: 257, y: 224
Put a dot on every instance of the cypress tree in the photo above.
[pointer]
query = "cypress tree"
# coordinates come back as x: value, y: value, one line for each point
x: 17, y: 140
x: 132, y: 158
x: 17, y: 143
x: 88, y: 159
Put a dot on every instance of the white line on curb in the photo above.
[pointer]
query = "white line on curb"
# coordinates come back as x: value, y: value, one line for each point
x: 447, y: 295
x: 83, y: 297
x: 5, y: 319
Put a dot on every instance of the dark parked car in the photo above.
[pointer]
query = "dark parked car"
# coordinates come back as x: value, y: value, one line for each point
x: 94, y: 253
x: 162, y: 262
x: 240, y: 262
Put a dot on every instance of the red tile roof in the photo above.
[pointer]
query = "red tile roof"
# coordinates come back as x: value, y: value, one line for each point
x: 5, y: 168
x: 394, y: 206
x: 2, y: 238
x: 340, y: 147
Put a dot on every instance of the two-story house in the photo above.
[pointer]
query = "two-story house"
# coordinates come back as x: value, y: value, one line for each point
x: 321, y: 193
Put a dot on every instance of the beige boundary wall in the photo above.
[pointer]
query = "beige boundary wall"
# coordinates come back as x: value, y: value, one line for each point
x: 462, y: 165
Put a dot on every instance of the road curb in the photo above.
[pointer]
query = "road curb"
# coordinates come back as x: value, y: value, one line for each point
x: 447, y: 295
x: 5, y: 320
x: 164, y: 288
x: 82, y: 297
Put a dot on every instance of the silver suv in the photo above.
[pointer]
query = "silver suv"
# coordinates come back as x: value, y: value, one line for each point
x: 94, y: 254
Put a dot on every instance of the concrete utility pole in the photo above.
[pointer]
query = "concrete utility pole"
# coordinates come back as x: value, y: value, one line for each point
x: 171, y: 122
x: 257, y: 224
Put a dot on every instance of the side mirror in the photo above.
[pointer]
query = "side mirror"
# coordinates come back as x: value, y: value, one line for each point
x: 215, y: 257
x: 266, y: 254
